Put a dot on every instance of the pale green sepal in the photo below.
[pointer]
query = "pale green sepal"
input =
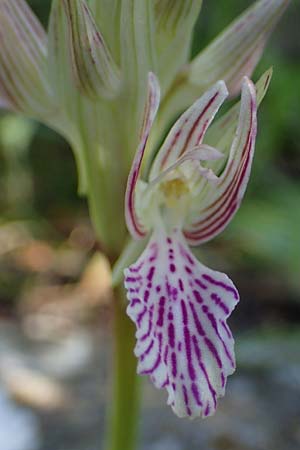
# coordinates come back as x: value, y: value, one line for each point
x: 89, y: 133
x: 237, y: 50
x: 24, y: 86
x: 64, y: 90
x: 95, y: 71
x: 59, y: 57
x: 138, y: 58
x: 174, y: 22
x: 221, y: 132
x: 107, y: 16
x: 130, y: 253
x: 4, y: 102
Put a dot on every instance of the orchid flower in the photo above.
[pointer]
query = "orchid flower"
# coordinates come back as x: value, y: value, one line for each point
x: 180, y: 307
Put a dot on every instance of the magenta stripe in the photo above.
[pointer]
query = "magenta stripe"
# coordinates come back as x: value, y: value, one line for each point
x: 231, y: 188
x: 148, y: 350
x: 203, y: 369
x: 174, y: 364
x: 199, y: 327
x: 229, y: 211
x: 153, y: 368
x: 186, y: 400
x: 133, y: 223
x: 227, y: 331
x: 218, y: 302
x: 192, y: 129
x: 230, y: 193
x: 214, y: 325
x: 196, y: 394
x: 213, y: 351
x: 221, y: 284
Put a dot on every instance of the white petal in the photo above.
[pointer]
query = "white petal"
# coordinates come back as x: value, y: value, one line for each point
x: 180, y: 309
x: 220, y: 202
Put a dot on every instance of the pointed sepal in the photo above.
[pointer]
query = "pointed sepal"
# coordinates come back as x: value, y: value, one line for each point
x: 221, y: 132
x: 174, y: 22
x: 24, y: 85
x: 180, y: 309
x: 237, y: 50
x: 94, y: 68
x: 189, y: 130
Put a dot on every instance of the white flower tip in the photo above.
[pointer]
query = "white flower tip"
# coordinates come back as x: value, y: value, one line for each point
x: 152, y: 77
x: 153, y: 82
x: 221, y: 86
x: 204, y: 152
x: 248, y: 84
x: 209, y: 175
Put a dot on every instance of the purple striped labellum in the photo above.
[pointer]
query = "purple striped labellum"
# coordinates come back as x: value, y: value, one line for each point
x: 179, y: 306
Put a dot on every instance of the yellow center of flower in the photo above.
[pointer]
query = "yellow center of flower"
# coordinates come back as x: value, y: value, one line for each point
x: 173, y: 190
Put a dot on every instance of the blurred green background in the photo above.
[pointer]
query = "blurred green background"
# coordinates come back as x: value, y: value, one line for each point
x: 46, y: 242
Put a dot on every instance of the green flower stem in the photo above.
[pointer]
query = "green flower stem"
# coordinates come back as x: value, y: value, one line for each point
x: 104, y: 189
x: 125, y: 401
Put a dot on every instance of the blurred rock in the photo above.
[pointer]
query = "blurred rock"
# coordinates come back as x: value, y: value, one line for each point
x: 31, y: 388
x: 53, y: 310
x: 35, y: 256
x: 288, y: 376
x: 165, y: 443
x: 12, y: 236
x: 69, y: 262
x: 19, y: 428
x: 82, y: 236
x: 269, y: 349
x: 67, y: 357
x: 96, y: 280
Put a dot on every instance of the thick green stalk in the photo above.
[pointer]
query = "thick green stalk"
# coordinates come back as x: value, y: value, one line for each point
x: 105, y: 184
x: 125, y: 401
